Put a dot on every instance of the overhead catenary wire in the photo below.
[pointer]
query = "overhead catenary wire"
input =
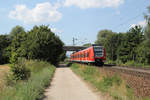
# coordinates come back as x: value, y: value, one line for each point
x: 131, y: 19
x: 128, y: 20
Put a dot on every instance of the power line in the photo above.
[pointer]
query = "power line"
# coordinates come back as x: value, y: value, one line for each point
x: 131, y: 19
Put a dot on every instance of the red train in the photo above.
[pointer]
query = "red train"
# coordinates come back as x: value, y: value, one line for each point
x: 94, y: 54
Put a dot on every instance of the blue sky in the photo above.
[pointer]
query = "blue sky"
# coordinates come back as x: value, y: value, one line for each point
x: 81, y: 19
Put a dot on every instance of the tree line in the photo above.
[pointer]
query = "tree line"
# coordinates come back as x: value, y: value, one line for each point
x: 38, y: 43
x: 133, y: 45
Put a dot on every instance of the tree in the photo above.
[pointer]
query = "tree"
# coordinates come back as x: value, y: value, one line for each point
x: 132, y: 39
x: 4, y: 51
x: 108, y: 39
x: 38, y: 43
x: 143, y: 53
x: 111, y: 45
x: 147, y: 17
x: 147, y: 34
x: 43, y: 44
x: 16, y: 30
x: 147, y: 28
x: 102, y: 36
x: 17, y: 48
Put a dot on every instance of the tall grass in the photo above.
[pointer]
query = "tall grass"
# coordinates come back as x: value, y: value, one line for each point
x: 33, y: 88
x: 114, y: 85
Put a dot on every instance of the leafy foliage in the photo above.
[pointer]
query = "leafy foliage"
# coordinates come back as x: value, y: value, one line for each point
x: 131, y: 47
x: 20, y: 71
x: 102, y: 36
x: 16, y: 30
x: 43, y: 44
x: 143, y: 53
x: 38, y: 43
x: 4, y: 50
x: 132, y: 39
x: 123, y: 46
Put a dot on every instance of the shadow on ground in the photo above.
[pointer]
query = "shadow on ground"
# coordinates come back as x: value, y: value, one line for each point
x: 64, y: 65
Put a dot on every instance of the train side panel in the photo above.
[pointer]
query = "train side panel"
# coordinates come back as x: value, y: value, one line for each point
x: 93, y: 54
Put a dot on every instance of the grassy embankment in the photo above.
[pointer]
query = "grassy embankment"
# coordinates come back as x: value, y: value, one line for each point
x: 33, y: 88
x: 114, y: 86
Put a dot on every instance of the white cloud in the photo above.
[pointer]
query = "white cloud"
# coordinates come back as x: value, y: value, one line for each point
x: 84, y: 4
x: 43, y: 12
x: 55, y: 30
x: 141, y: 23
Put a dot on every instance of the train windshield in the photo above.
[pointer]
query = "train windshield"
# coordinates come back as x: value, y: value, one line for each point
x: 98, y: 51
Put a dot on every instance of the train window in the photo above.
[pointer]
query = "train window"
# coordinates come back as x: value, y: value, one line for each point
x: 98, y: 51
x: 88, y: 54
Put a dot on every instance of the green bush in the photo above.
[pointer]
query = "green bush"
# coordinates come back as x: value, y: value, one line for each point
x: 133, y: 64
x: 119, y: 62
x: 110, y: 62
x: 20, y: 72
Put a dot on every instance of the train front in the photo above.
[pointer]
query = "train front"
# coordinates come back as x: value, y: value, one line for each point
x: 99, y: 55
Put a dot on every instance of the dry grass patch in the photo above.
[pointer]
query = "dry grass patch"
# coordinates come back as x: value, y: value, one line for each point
x: 4, y: 70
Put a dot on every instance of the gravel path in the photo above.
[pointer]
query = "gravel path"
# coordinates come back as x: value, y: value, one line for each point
x: 67, y: 86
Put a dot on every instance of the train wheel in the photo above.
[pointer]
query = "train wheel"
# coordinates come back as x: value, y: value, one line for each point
x: 99, y: 64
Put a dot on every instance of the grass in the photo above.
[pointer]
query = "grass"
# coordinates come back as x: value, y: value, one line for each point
x: 33, y: 88
x: 115, y: 86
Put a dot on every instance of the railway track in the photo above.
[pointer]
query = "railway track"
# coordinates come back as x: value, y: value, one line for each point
x: 146, y: 70
x: 126, y: 69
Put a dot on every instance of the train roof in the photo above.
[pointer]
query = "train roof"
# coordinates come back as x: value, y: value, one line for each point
x: 93, y: 45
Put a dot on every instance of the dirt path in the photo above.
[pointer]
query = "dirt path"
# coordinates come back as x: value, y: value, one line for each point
x: 67, y: 86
